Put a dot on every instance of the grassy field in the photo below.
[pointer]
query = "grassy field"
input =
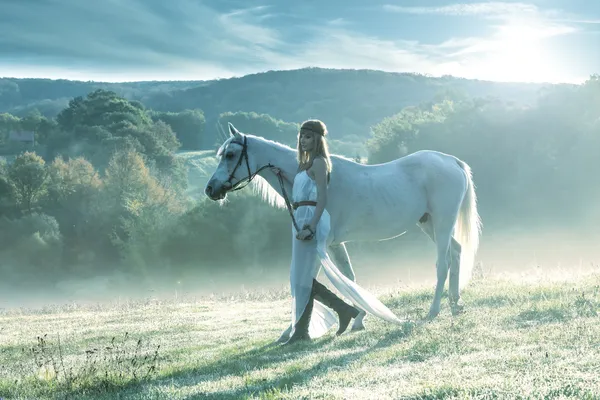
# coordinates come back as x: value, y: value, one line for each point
x: 539, y: 339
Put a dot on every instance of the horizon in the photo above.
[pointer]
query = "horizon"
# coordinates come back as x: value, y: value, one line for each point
x: 125, y: 81
x: 131, y: 41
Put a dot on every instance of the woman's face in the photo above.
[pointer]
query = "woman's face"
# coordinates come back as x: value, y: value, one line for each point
x: 307, y: 141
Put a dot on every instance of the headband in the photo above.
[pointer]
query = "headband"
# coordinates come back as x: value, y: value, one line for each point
x: 312, y: 130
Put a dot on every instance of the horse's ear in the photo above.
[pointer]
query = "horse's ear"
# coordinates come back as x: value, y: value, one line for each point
x: 232, y: 131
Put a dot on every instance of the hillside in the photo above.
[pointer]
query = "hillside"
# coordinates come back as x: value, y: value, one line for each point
x: 347, y: 99
x: 350, y: 101
x: 49, y: 96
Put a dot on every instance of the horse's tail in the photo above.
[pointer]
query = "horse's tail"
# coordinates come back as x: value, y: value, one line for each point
x: 468, y: 228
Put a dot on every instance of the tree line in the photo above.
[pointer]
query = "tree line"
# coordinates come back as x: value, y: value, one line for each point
x: 532, y: 165
x: 105, y: 189
x: 351, y: 100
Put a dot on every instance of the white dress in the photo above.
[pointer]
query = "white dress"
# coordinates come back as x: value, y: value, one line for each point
x: 308, y: 256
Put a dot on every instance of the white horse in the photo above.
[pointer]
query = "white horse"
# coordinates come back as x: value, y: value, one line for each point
x: 372, y: 202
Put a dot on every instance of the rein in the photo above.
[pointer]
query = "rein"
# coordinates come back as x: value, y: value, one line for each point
x: 247, y: 180
x: 287, y: 202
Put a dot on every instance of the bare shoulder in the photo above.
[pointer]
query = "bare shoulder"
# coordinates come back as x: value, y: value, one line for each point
x: 319, y: 169
x: 319, y: 162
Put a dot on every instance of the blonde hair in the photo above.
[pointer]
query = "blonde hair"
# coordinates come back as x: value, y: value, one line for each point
x: 319, y: 130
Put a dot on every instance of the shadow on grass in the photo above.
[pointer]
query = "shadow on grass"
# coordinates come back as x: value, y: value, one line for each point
x: 231, y: 361
x: 298, y: 376
x: 240, y: 361
x: 494, y: 301
x: 577, y: 391
x: 540, y: 316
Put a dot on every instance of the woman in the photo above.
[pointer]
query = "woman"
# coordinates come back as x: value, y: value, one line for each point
x: 309, y: 248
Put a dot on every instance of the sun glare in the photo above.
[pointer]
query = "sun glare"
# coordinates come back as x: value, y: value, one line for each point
x: 515, y: 53
x: 520, y: 60
x: 522, y: 54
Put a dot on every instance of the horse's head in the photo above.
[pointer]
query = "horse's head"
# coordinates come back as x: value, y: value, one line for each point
x: 235, y: 166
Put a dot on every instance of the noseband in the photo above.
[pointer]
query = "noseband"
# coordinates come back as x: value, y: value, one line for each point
x: 248, y: 179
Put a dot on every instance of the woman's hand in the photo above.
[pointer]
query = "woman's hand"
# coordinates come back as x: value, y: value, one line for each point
x: 279, y: 173
x: 305, y: 233
x: 276, y: 171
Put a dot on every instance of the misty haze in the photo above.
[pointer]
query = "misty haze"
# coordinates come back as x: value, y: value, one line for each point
x: 120, y: 276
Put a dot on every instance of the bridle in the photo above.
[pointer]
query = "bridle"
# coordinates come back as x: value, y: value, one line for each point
x: 250, y: 177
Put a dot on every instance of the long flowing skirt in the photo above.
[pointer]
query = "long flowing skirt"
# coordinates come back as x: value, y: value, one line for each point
x: 307, y: 259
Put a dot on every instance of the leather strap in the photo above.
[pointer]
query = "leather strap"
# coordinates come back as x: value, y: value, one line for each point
x: 297, y: 204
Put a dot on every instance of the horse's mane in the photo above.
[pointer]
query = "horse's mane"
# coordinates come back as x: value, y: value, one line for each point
x: 267, y: 193
x: 260, y: 185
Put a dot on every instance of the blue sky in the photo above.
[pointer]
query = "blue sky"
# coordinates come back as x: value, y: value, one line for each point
x: 126, y: 40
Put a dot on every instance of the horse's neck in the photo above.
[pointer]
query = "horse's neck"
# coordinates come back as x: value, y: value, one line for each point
x: 282, y: 158
x: 268, y: 152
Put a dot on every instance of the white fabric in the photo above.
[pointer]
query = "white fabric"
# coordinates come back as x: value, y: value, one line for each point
x: 308, y: 257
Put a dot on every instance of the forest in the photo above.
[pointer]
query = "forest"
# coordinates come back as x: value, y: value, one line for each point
x: 113, y: 181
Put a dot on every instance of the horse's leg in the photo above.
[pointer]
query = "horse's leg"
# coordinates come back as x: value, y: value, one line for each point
x: 340, y: 257
x: 426, y: 225
x: 339, y: 254
x: 456, y: 306
x: 443, y: 227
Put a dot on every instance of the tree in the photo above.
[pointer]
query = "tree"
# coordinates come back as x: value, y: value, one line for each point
x: 392, y: 137
x: 10, y: 94
x: 74, y: 190
x: 103, y: 123
x: 28, y: 178
x: 138, y: 208
x: 188, y: 126
x: 6, y: 191
x: 262, y: 125
x: 8, y: 123
x: 101, y: 108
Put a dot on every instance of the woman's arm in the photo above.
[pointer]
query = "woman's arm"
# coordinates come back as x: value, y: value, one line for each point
x: 320, y: 172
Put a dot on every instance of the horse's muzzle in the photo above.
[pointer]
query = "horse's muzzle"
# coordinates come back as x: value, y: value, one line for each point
x: 214, y: 194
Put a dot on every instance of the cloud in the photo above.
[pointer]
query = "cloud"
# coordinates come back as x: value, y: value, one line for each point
x: 338, y: 22
x: 244, y: 25
x: 124, y: 34
x: 336, y: 47
x: 489, y: 9
x: 508, y: 18
x: 578, y: 20
x: 189, y: 39
x: 516, y: 49
x: 552, y: 21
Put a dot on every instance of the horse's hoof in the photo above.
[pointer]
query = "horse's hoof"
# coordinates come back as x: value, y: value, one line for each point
x: 457, y: 309
x: 432, y: 315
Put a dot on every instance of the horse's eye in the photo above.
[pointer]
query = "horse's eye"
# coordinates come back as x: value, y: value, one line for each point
x: 229, y: 156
